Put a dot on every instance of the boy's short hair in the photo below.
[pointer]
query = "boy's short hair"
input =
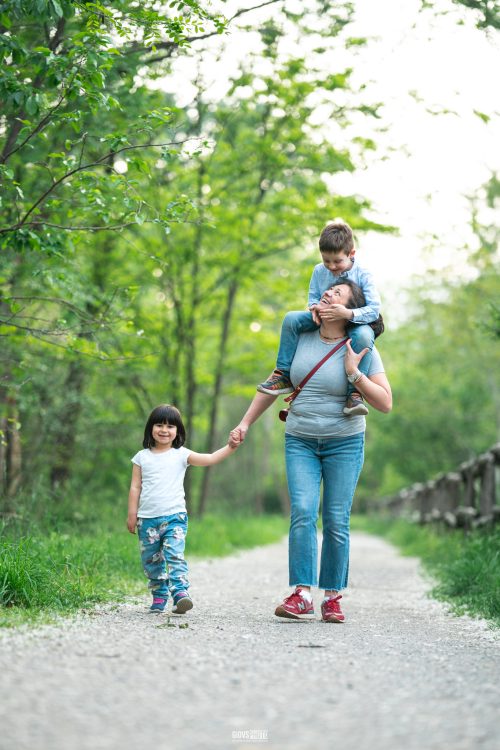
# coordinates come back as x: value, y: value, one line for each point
x: 336, y: 237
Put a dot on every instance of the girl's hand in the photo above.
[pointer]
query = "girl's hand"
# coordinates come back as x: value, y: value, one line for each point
x: 132, y: 522
x: 239, y: 432
x: 234, y: 439
x: 352, y: 359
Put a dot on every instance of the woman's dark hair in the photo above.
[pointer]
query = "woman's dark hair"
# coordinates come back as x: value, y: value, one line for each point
x: 164, y: 414
x: 357, y: 299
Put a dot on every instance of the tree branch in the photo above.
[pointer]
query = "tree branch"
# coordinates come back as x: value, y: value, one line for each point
x: 82, y: 168
x: 171, y: 46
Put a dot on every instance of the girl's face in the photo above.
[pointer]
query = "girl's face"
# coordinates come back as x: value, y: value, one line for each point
x: 164, y: 435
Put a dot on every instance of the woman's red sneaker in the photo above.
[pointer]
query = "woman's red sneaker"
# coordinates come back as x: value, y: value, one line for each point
x: 330, y: 609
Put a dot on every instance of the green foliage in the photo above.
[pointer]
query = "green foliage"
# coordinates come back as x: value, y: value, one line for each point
x: 465, y: 568
x: 142, y: 240
x: 442, y: 364
x: 44, y: 575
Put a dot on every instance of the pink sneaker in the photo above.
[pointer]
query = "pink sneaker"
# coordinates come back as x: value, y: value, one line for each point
x: 330, y: 609
x: 296, y: 607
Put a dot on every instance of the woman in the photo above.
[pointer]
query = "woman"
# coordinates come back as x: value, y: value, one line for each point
x: 322, y: 443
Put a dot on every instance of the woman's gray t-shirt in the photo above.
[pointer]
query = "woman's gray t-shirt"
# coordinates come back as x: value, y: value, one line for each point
x: 317, y: 410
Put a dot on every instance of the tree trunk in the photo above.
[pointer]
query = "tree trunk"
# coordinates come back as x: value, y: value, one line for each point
x: 217, y: 388
x: 10, y: 454
x: 65, y: 437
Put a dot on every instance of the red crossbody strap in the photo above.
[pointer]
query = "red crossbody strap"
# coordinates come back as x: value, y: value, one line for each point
x: 309, y: 375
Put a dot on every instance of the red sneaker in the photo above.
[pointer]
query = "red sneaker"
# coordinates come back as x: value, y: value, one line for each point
x: 330, y: 609
x: 296, y: 607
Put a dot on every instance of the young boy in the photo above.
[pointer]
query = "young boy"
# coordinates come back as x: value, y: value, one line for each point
x: 336, y: 245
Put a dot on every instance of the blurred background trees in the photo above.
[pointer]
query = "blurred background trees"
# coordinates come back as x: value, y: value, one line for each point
x: 150, y: 249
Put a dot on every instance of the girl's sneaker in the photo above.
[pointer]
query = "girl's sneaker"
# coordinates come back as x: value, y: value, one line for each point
x: 296, y: 607
x: 330, y: 609
x: 182, y: 603
x: 158, y: 604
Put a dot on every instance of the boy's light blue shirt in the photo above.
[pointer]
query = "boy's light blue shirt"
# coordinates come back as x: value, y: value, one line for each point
x: 322, y: 279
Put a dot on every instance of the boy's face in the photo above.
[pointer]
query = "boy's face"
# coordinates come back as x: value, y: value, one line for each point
x: 337, y: 262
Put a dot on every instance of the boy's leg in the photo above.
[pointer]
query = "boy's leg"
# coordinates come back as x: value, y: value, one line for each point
x: 174, y: 543
x: 152, y: 557
x: 362, y: 337
x: 293, y: 325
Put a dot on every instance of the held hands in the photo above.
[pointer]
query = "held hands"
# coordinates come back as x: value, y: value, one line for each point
x: 234, y: 439
x: 237, y: 435
x: 352, y: 359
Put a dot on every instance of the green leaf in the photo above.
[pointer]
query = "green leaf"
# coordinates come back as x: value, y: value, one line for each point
x: 57, y: 8
x: 31, y: 105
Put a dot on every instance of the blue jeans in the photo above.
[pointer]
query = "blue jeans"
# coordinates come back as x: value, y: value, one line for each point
x: 162, y: 542
x: 295, y: 323
x: 338, y: 463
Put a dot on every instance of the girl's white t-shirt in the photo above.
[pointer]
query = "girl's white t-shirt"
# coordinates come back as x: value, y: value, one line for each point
x: 162, y: 490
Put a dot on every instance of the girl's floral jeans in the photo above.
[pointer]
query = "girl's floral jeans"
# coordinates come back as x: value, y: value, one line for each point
x: 162, y: 542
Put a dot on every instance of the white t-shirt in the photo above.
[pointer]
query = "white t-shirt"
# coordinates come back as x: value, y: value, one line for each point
x: 162, y: 490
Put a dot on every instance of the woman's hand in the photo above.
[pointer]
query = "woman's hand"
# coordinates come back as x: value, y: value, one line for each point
x: 238, y: 434
x: 352, y: 359
x: 234, y: 439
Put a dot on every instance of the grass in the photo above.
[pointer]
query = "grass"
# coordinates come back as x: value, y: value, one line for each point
x: 465, y: 567
x: 46, y: 575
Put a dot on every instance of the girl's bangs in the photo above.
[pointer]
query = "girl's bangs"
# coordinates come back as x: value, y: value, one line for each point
x: 166, y: 415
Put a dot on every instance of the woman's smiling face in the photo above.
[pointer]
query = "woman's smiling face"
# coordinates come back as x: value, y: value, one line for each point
x: 340, y: 294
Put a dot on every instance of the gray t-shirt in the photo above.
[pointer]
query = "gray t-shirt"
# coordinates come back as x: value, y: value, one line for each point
x: 317, y: 410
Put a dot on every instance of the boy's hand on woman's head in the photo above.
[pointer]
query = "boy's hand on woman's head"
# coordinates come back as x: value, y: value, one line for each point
x: 334, y: 312
x: 315, y: 316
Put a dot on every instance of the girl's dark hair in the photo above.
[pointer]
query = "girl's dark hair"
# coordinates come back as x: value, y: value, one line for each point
x: 164, y: 414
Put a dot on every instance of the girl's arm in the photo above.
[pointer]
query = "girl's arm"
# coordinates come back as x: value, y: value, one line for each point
x: 209, y: 459
x: 261, y: 402
x: 374, y: 388
x: 133, y: 498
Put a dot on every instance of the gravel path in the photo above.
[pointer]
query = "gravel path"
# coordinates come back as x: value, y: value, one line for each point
x: 401, y: 673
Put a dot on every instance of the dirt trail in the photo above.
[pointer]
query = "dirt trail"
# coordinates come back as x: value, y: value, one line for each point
x: 400, y: 674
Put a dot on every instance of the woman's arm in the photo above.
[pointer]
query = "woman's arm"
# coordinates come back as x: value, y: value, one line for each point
x: 374, y: 388
x: 209, y: 459
x: 133, y: 498
x: 261, y: 402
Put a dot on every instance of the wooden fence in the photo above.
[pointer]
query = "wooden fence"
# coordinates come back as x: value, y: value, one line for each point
x: 465, y: 498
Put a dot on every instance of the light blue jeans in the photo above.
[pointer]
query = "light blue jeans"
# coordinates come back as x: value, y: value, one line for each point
x: 337, y: 462
x: 297, y: 322
x: 162, y: 541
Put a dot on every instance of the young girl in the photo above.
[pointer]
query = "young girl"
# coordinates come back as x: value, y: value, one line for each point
x: 157, y: 505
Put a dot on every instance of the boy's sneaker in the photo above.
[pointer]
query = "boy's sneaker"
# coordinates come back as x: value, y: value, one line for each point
x: 182, y: 603
x: 354, y: 406
x: 330, y: 609
x: 276, y: 384
x: 296, y: 607
x: 158, y: 604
